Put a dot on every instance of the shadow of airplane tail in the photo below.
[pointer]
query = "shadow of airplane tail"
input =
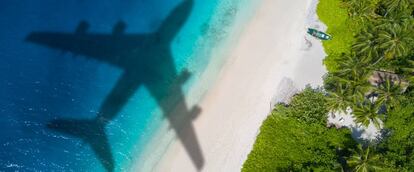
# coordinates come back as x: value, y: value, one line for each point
x: 91, y: 131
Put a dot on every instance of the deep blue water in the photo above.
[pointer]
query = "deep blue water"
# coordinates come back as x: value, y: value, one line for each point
x: 39, y: 84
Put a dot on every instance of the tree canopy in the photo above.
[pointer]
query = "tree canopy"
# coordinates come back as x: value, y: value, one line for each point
x: 398, y: 145
x: 293, y: 138
x: 368, y: 36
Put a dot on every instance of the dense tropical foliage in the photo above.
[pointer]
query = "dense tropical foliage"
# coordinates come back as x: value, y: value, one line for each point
x: 364, y: 159
x: 370, y: 66
x: 397, y: 148
x: 289, y: 141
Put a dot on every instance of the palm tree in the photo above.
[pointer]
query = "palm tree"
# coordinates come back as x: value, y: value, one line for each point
x: 409, y: 70
x: 364, y: 160
x: 397, y: 17
x: 338, y: 100
x: 355, y: 86
x: 388, y: 92
x: 365, y: 112
x: 395, y: 40
x: 397, y: 5
x: 353, y: 73
x: 353, y: 68
x: 360, y: 10
x: 367, y: 43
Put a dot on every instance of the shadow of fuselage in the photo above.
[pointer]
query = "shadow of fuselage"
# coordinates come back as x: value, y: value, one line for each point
x: 146, y: 59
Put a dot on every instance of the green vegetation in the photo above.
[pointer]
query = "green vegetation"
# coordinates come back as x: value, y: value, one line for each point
x: 335, y: 16
x: 364, y: 159
x: 398, y: 146
x: 309, y: 106
x: 288, y: 142
x: 367, y: 112
x: 370, y: 66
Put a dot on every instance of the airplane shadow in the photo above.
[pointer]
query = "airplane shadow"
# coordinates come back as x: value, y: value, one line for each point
x: 146, y: 60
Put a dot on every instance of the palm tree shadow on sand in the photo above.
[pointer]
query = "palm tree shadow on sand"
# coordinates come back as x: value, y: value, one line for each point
x: 146, y: 60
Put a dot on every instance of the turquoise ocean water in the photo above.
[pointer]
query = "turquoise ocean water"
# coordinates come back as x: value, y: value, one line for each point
x: 40, y: 84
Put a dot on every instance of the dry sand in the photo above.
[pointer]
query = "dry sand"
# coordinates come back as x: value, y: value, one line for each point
x: 272, y: 55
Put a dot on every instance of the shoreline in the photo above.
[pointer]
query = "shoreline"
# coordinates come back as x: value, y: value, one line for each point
x: 164, y: 137
x: 238, y: 99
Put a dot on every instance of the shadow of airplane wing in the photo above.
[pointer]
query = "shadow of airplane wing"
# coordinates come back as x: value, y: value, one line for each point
x: 175, y: 21
x: 179, y: 115
x: 112, y: 49
x: 187, y: 136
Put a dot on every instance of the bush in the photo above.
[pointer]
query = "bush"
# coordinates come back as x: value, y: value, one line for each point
x: 398, y: 146
x: 295, y: 138
x: 309, y: 106
x: 286, y: 144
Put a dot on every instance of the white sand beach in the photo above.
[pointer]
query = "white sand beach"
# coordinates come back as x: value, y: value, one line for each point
x: 271, y: 54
